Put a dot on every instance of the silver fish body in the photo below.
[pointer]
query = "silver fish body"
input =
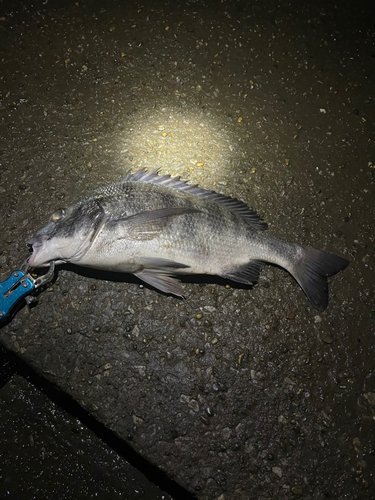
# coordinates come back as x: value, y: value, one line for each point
x: 156, y: 227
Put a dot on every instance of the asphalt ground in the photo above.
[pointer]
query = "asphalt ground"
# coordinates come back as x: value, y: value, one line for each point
x: 235, y: 392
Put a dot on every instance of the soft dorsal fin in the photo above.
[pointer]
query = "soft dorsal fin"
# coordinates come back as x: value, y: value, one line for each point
x: 232, y: 204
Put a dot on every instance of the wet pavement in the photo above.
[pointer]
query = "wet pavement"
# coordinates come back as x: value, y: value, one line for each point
x: 234, y: 393
x: 51, y: 448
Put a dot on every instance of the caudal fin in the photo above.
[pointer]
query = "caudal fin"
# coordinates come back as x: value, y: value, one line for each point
x: 311, y: 273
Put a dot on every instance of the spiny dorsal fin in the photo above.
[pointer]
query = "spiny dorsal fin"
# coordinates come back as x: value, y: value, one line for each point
x: 232, y: 204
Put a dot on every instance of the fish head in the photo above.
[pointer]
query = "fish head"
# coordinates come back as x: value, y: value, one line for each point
x: 68, y: 235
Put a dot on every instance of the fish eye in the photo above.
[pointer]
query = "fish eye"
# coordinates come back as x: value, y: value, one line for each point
x: 58, y: 215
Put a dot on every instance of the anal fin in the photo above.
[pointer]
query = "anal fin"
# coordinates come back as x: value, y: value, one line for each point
x: 247, y: 274
x: 162, y: 282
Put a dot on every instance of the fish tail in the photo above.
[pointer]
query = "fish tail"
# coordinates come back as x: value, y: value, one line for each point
x: 311, y: 271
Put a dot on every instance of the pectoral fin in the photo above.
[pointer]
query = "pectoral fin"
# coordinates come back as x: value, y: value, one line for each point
x: 148, y: 225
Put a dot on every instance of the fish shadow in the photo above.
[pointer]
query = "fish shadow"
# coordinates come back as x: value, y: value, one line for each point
x: 201, y: 280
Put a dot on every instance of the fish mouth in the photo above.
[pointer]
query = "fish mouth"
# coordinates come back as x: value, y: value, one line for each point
x: 36, y: 245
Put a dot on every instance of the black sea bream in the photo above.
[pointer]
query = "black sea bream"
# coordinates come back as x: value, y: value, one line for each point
x: 156, y: 227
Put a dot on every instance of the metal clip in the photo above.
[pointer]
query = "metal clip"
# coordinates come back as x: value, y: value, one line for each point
x: 19, y: 285
x: 45, y: 278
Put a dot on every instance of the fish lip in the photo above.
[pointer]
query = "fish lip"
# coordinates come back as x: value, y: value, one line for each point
x: 35, y: 244
x: 37, y: 241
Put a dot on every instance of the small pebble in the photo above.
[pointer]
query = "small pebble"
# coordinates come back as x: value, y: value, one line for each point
x: 370, y: 397
x: 137, y: 420
x: 209, y: 411
x: 277, y: 471
x: 193, y: 404
x: 297, y: 490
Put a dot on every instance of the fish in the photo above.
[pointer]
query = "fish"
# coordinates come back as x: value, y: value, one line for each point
x: 158, y: 227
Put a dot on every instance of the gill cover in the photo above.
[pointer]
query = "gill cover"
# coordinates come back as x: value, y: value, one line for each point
x: 68, y: 235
